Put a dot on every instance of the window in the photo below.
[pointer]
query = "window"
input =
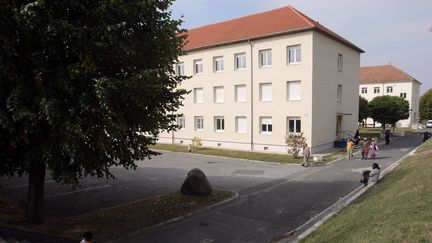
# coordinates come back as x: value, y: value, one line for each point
x: 180, y: 69
x: 198, y: 66
x: 389, y: 89
x: 199, y: 123
x: 240, y: 61
x: 265, y: 58
x: 293, y: 124
x: 339, y: 93
x: 199, y: 95
x: 266, y: 92
x: 294, y: 90
x: 403, y: 95
x: 266, y: 125
x: 294, y: 54
x: 218, y: 93
x: 340, y: 62
x: 376, y: 90
x: 364, y: 90
x: 181, y: 123
x: 240, y: 93
x: 241, y: 124
x: 219, y: 123
x: 218, y: 64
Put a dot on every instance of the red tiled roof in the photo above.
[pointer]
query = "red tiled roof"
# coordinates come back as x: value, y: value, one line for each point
x: 383, y: 74
x: 271, y: 23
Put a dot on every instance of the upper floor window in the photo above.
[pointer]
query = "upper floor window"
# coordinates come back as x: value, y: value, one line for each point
x: 376, y: 90
x: 364, y: 90
x: 266, y: 92
x: 339, y: 93
x: 180, y: 69
x: 198, y: 66
x: 294, y: 90
x: 181, y: 122
x: 199, y: 95
x: 240, y: 93
x: 340, y: 62
x: 219, y: 94
x: 199, y: 123
x: 389, y: 89
x: 294, y: 54
x: 218, y: 64
x: 403, y: 95
x: 219, y: 123
x: 266, y: 125
x: 265, y: 58
x: 240, y: 61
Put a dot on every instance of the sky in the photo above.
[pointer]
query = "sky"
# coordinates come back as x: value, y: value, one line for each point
x: 389, y: 31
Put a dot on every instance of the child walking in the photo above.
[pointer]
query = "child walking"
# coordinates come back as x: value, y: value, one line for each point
x: 350, y: 148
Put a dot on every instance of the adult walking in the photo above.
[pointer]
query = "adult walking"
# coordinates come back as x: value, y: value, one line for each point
x: 365, y: 149
x: 387, y: 137
x: 306, y: 154
x: 373, y: 148
x: 350, y: 148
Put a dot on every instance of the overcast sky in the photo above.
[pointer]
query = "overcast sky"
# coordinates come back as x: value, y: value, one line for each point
x: 390, y: 31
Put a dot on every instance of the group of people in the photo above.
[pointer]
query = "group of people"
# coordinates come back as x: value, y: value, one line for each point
x: 368, y: 149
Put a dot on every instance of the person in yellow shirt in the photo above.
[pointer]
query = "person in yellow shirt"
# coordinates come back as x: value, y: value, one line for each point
x: 350, y: 148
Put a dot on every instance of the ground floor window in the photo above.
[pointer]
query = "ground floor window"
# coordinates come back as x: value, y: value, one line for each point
x: 199, y: 123
x: 266, y: 125
x: 219, y: 124
x: 181, y: 122
x: 293, y: 124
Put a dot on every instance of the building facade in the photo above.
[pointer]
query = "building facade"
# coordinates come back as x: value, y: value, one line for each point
x: 390, y: 80
x: 258, y: 78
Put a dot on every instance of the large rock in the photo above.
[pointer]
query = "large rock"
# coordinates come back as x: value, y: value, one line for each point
x: 196, y: 184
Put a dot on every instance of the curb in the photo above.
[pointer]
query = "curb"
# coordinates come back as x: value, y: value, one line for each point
x: 312, y: 224
x: 33, y: 235
x: 179, y: 218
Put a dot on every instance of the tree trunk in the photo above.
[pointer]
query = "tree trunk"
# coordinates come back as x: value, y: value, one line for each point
x: 35, y: 192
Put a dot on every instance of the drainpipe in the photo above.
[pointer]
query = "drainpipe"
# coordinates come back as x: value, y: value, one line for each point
x: 251, y: 96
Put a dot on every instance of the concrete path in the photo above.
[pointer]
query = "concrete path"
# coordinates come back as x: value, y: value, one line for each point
x: 269, y: 209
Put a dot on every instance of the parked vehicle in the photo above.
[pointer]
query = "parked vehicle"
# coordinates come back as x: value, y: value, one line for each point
x: 429, y: 124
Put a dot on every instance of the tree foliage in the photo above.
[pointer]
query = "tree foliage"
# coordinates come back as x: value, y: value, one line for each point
x: 388, y: 109
x: 363, y: 109
x: 85, y: 85
x: 425, y: 108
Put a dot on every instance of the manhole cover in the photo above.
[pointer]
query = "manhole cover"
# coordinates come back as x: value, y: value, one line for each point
x: 249, y: 172
x: 214, y: 162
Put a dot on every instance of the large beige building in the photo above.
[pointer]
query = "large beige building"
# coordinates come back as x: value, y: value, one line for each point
x: 390, y: 80
x: 257, y: 78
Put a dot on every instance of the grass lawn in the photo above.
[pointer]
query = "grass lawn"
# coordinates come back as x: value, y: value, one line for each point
x: 111, y: 223
x: 267, y: 157
x: 397, y: 209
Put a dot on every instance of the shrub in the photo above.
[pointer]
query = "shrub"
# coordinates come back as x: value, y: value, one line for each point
x: 295, y: 142
x: 196, y: 142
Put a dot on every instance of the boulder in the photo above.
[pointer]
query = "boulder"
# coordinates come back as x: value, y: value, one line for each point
x: 196, y: 184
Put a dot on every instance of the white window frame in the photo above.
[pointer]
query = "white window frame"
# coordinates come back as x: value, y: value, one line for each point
x: 199, y: 123
x: 198, y: 66
x: 376, y: 90
x: 389, y: 89
x: 240, y: 61
x: 218, y: 64
x: 266, y: 127
x: 340, y: 62
x: 181, y: 122
x: 296, y: 121
x: 265, y: 58
x: 403, y: 95
x: 295, y: 53
x: 196, y: 101
x: 262, y: 98
x: 238, y: 128
x: 217, y: 99
x: 339, y: 93
x: 288, y: 90
x: 219, y: 123
x: 238, y: 97
x: 364, y: 90
x: 180, y: 69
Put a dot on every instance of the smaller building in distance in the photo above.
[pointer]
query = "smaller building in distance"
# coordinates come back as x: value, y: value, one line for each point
x: 390, y: 80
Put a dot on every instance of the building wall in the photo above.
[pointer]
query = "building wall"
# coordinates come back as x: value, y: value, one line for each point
x: 410, y: 88
x: 279, y: 108
x: 326, y: 78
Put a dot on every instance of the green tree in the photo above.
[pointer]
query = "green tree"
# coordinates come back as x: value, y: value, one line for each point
x: 426, y: 105
x: 84, y: 86
x: 388, y: 109
x: 363, y: 109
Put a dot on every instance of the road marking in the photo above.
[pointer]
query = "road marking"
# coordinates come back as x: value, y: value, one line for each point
x: 25, y: 185
x: 78, y: 191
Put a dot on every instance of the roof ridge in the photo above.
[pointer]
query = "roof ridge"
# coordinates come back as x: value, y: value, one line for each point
x: 413, y: 79
x: 303, y: 16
